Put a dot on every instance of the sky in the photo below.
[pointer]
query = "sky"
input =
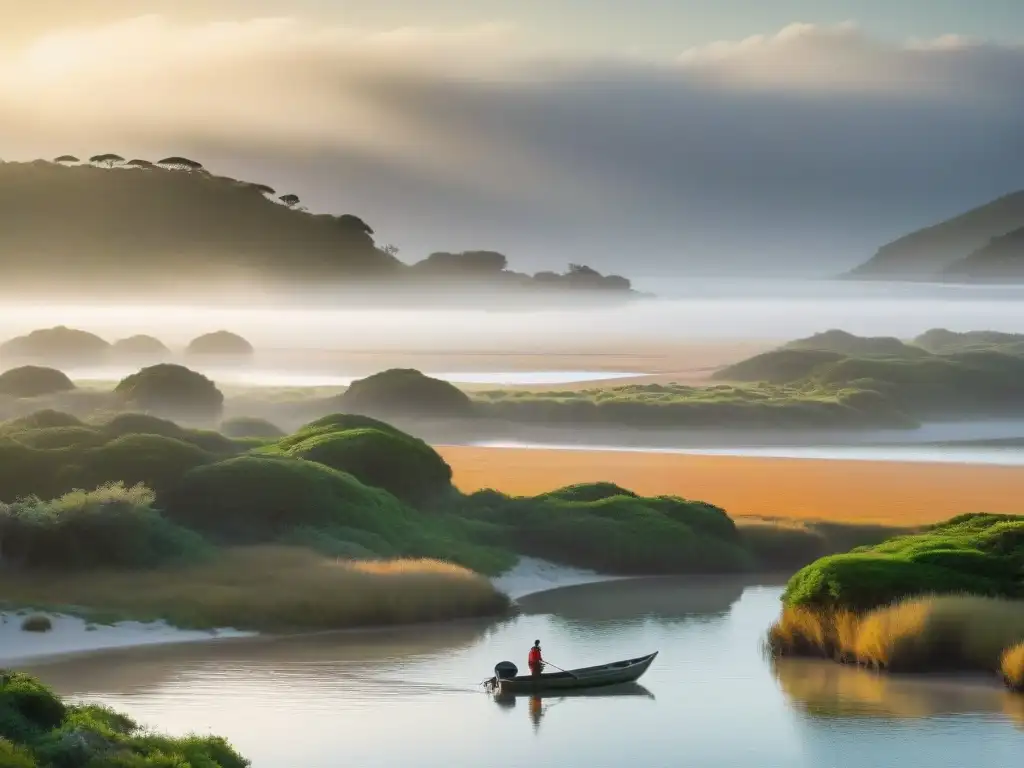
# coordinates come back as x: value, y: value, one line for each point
x: 656, y: 137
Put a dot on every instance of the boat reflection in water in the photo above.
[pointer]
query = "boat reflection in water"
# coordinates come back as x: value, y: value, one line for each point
x: 540, y: 703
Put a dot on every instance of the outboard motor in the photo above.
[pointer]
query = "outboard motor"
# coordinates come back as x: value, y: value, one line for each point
x: 505, y: 670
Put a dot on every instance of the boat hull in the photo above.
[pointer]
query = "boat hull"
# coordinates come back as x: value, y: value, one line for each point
x: 616, y: 673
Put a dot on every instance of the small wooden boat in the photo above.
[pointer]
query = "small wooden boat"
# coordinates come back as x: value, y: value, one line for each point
x: 617, y: 672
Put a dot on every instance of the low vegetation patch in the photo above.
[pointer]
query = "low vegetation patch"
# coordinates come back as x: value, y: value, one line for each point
x: 36, y: 623
x: 784, y: 545
x: 38, y: 730
x: 950, y: 633
x: 978, y: 554
x: 270, y: 589
x: 1012, y: 667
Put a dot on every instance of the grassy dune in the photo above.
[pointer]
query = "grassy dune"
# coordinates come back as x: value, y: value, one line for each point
x: 267, y: 588
x: 950, y: 633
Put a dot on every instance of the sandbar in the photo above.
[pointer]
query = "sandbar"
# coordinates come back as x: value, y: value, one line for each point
x: 878, y: 492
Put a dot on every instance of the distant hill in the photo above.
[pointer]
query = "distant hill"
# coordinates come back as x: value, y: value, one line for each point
x: 999, y: 260
x: 968, y: 245
x: 850, y: 345
x: 107, y: 226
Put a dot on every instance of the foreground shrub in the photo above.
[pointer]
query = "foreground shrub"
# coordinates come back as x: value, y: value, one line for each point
x: 1012, y: 667
x: 37, y: 730
x: 976, y: 554
x: 56, y: 345
x: 256, y: 499
x: 247, y: 426
x: 34, y: 381
x: 111, y: 527
x: 402, y: 465
x: 36, y: 623
x: 949, y: 633
x: 154, y: 461
x: 274, y: 589
x: 172, y: 390
x: 405, y: 391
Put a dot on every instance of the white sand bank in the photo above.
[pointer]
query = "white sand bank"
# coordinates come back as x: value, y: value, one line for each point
x: 70, y: 634
x: 532, y: 575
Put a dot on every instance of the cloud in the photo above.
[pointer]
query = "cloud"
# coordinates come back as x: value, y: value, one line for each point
x: 785, y: 143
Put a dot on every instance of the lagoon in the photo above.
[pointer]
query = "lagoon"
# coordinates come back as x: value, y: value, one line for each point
x: 411, y: 697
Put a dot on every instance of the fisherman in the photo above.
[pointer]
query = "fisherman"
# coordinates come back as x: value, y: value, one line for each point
x: 535, y: 660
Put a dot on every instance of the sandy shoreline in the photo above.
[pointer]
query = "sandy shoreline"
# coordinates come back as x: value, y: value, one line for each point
x: 882, y: 492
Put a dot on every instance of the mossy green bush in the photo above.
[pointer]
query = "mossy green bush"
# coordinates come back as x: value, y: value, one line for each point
x: 155, y: 461
x: 402, y: 465
x: 38, y: 730
x: 250, y: 426
x: 146, y: 424
x: 61, y: 437
x: 110, y: 527
x: 172, y: 390
x: 42, y: 419
x: 405, y: 391
x: 977, y: 554
x: 34, y: 381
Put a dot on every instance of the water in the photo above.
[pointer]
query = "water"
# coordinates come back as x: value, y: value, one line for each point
x: 692, y: 310
x: 257, y: 377
x: 408, y: 697
x: 1013, y: 457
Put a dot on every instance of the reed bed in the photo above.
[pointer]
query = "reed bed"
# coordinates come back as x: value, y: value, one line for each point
x: 268, y: 588
x: 951, y: 633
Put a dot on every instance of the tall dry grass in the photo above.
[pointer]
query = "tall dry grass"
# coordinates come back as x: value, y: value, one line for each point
x: 268, y: 589
x: 784, y: 544
x: 1012, y: 667
x: 948, y: 633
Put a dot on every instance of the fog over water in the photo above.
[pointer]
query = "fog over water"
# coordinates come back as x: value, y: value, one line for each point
x: 685, y: 310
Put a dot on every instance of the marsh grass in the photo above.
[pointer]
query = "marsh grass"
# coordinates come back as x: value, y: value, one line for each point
x: 36, y: 623
x: 268, y: 589
x: 784, y: 544
x: 950, y: 633
x: 1012, y: 667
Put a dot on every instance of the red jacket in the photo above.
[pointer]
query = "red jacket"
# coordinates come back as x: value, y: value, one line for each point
x: 534, y: 656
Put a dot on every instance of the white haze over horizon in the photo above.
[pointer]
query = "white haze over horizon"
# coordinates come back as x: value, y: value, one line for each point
x: 698, y: 310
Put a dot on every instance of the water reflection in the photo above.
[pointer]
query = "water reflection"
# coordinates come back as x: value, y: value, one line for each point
x: 539, y: 704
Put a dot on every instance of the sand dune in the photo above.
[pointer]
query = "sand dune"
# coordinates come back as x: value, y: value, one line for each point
x: 866, y: 491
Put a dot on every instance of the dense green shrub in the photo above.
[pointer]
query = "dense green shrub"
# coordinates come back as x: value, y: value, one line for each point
x: 977, y: 554
x: 219, y: 344
x: 256, y: 499
x: 249, y: 426
x: 37, y: 730
x: 61, y: 437
x: 405, y: 391
x: 110, y: 527
x: 34, y: 381
x: 43, y: 419
x: 621, y: 533
x: 153, y: 460
x: 146, y: 424
x: 941, y: 341
x: 172, y: 390
x: 402, y: 465
x: 56, y: 345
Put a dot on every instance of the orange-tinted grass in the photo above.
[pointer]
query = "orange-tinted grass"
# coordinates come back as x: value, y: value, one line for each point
x: 929, y: 634
x: 875, y: 492
x: 1012, y: 667
x: 269, y: 589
